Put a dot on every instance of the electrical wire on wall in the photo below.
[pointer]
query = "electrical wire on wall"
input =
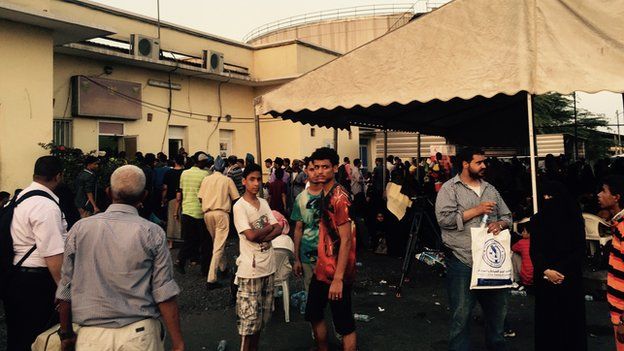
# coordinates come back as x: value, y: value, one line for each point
x: 220, y: 114
x: 177, y: 112
x: 162, y: 146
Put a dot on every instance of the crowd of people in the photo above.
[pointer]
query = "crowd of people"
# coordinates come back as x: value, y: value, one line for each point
x: 62, y: 262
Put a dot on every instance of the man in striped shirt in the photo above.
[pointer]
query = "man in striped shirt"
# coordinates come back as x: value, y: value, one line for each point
x: 612, y: 198
x: 194, y: 231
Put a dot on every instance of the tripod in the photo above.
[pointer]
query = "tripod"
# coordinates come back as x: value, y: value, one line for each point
x: 421, y: 211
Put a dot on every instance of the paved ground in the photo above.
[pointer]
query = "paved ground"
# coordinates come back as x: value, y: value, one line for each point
x: 417, y: 321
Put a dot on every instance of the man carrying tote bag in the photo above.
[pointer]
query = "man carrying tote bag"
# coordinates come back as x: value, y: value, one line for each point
x: 460, y: 206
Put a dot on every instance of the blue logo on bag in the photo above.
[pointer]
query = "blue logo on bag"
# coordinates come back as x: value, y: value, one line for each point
x: 494, y: 253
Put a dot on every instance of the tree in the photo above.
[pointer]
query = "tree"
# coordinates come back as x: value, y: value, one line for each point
x: 554, y: 113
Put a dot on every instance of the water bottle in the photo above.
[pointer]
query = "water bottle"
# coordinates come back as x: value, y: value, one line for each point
x: 222, y: 345
x: 484, y: 220
x: 426, y: 258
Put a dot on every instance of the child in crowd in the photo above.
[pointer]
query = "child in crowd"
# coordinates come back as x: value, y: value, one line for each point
x: 256, y: 227
x: 521, y: 259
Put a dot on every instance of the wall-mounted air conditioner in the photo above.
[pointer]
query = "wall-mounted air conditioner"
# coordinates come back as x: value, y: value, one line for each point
x: 213, y: 61
x: 143, y: 46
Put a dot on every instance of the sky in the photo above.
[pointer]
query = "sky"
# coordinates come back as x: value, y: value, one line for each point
x: 233, y: 19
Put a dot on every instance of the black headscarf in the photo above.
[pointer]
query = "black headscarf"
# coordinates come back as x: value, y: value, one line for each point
x: 557, y: 231
x: 561, y: 207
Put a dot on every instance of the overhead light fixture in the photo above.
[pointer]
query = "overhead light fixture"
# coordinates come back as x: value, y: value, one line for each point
x: 163, y: 84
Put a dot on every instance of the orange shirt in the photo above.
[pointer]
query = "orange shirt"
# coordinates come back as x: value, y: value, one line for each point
x: 615, y: 276
x: 334, y: 213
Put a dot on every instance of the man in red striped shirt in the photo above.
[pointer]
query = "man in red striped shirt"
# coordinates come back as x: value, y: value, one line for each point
x: 611, y: 198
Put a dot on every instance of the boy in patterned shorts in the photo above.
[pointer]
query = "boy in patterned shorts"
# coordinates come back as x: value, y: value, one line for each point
x: 256, y: 227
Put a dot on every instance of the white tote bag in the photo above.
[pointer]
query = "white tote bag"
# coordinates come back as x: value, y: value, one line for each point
x: 491, y: 260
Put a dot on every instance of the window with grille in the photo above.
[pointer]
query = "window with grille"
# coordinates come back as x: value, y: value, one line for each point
x: 62, y: 132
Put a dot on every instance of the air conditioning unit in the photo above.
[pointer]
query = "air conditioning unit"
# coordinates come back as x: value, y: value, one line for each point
x: 143, y: 46
x: 213, y: 61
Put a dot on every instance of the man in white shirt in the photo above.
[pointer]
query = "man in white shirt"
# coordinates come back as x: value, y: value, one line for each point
x: 38, y: 230
x: 256, y: 227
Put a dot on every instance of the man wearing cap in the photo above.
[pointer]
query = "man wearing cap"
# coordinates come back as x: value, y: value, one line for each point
x: 194, y: 230
x: 216, y: 194
x: 86, y: 188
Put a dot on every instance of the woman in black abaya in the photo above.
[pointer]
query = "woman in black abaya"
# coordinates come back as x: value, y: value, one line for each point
x: 557, y: 252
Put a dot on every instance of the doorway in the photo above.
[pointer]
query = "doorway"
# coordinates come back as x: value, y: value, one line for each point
x: 130, y: 146
x: 364, y: 154
x: 177, y: 135
x: 174, y: 146
x: 110, y: 144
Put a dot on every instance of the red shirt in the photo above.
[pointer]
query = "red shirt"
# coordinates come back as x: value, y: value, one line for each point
x: 523, y: 246
x: 334, y: 213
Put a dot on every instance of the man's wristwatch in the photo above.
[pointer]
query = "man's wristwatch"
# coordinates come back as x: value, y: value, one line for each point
x: 66, y: 335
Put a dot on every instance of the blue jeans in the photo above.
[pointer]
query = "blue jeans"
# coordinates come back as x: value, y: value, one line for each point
x: 462, y: 301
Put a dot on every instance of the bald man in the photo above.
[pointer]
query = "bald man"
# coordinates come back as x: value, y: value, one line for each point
x: 117, y: 276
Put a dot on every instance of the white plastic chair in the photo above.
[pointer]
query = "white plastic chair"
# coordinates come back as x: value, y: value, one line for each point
x: 284, y: 249
x: 594, y: 225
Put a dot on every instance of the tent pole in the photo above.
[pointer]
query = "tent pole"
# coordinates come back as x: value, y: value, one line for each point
x: 619, y: 138
x: 532, y: 153
x: 576, y: 151
x: 385, y: 153
x: 418, y: 156
x: 336, y: 139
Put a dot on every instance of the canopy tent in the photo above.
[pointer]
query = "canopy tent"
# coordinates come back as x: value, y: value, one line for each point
x: 463, y: 71
x: 412, y: 77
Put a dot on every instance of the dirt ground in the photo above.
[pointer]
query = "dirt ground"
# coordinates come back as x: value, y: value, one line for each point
x: 417, y: 321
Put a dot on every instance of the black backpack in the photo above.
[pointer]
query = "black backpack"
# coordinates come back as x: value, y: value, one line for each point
x: 7, y: 254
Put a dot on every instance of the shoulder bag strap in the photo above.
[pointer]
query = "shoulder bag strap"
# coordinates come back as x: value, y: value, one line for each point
x: 17, y: 202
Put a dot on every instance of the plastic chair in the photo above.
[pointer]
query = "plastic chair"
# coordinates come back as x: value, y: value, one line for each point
x: 284, y: 248
x: 595, y: 229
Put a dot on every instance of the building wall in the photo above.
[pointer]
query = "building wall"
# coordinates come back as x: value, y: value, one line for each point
x: 339, y: 35
x: 196, y: 95
x: 35, y: 90
x: 171, y: 39
x: 310, y: 58
x: 25, y: 100
x: 275, y: 62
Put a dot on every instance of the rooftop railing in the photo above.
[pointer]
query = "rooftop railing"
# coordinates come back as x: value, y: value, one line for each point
x: 344, y: 13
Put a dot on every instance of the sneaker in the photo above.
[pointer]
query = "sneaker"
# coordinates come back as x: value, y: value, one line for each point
x: 509, y: 333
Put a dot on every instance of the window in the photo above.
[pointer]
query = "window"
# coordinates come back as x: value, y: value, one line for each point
x: 62, y: 132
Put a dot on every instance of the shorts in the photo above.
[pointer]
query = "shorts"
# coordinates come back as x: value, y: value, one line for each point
x: 254, y: 303
x: 342, y: 314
